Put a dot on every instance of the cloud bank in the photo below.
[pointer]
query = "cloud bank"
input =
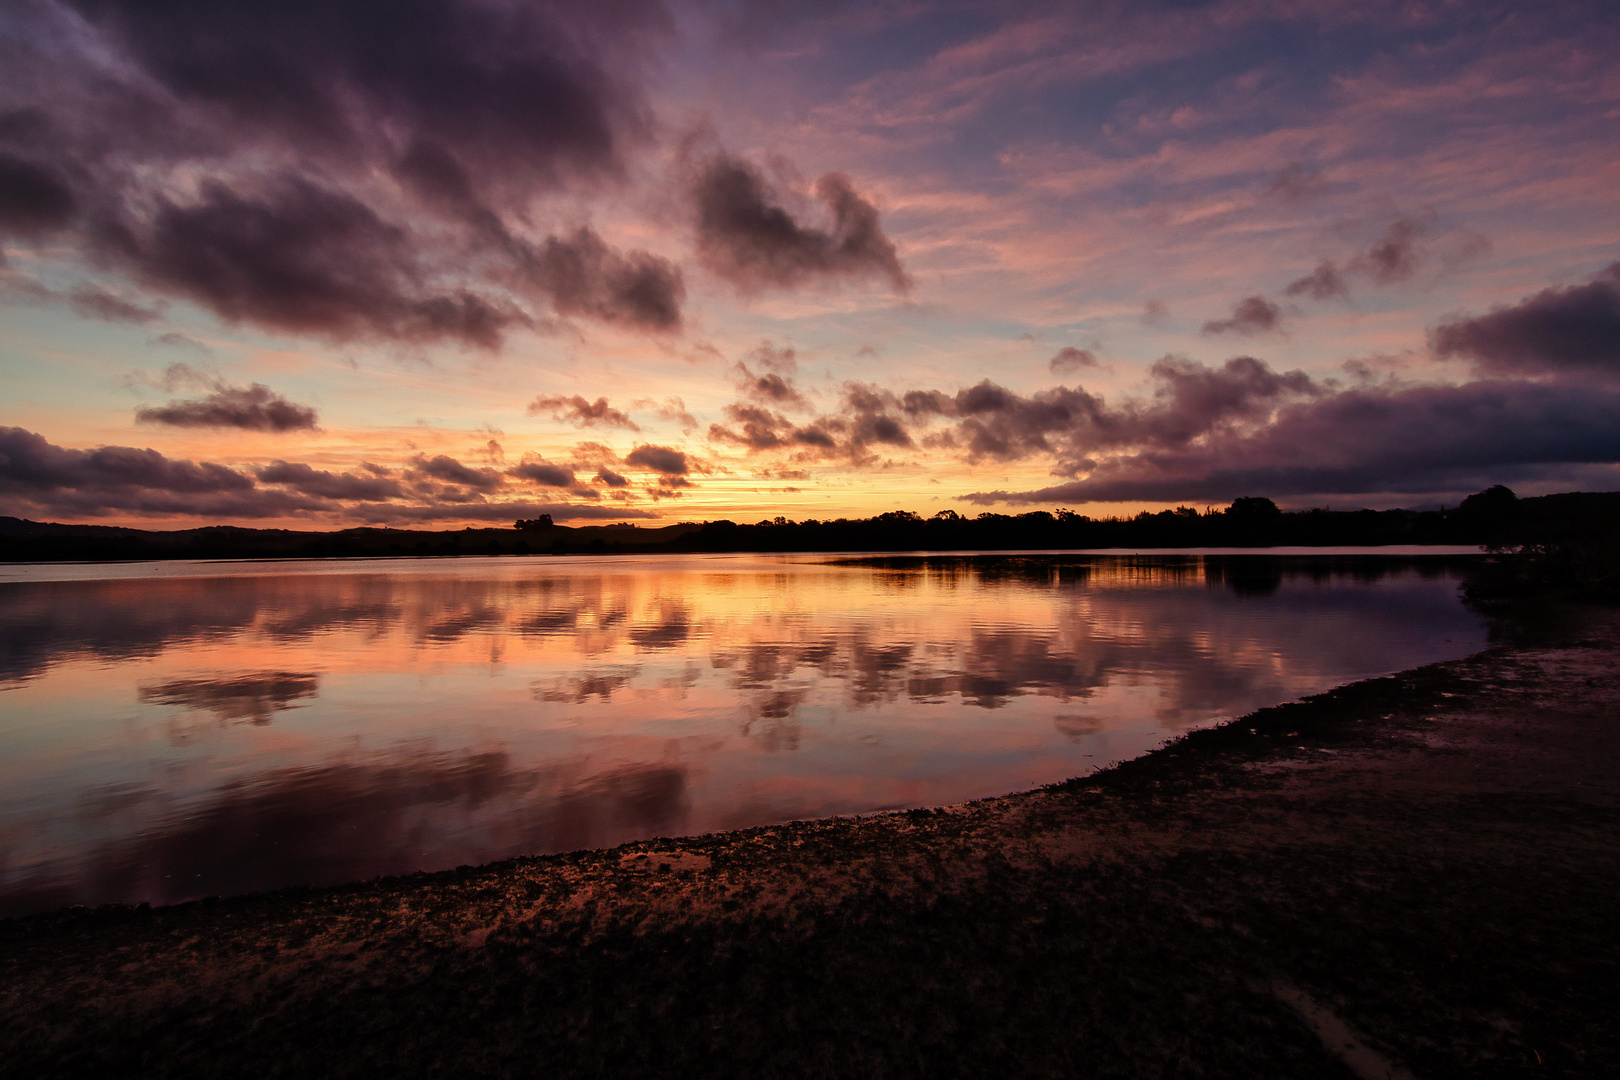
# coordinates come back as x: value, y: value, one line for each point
x: 1417, y: 440
x: 1574, y: 330
x: 41, y: 480
x: 351, y: 171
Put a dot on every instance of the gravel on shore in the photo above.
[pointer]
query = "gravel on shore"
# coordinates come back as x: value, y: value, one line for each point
x: 1409, y: 876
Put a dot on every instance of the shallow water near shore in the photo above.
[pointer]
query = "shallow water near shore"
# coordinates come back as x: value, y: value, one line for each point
x: 184, y: 730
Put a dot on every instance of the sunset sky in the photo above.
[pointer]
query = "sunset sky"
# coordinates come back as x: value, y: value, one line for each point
x: 441, y: 262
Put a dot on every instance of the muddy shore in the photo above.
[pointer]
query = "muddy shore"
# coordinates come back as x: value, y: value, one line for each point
x: 1409, y: 876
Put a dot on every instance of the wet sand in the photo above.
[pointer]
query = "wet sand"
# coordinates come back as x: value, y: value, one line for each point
x: 1410, y: 876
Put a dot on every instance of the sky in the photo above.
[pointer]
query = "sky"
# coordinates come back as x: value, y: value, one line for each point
x: 435, y: 263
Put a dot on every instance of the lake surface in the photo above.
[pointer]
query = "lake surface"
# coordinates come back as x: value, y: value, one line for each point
x: 169, y: 731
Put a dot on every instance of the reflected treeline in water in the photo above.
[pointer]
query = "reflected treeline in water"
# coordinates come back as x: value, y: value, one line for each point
x: 180, y: 736
x: 1259, y: 574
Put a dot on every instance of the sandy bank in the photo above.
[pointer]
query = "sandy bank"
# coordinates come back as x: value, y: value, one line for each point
x: 1409, y: 876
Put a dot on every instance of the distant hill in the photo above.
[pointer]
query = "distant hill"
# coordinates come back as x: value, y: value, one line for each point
x: 1493, y: 517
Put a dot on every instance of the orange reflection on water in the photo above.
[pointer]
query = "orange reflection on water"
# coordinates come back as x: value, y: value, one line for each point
x: 233, y: 727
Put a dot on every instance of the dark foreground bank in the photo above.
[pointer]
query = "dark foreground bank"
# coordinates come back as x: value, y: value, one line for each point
x: 1408, y: 876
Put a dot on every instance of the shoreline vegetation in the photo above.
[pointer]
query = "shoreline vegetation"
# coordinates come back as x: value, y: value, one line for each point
x: 1407, y: 876
x: 1575, y: 535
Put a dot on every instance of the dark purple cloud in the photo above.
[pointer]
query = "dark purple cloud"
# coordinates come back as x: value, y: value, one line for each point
x: 544, y: 473
x: 1323, y: 283
x: 494, y: 512
x: 39, y: 479
x: 584, y: 276
x: 1215, y: 433
x: 748, y: 237
x: 1190, y: 401
x: 990, y: 422
x: 29, y: 463
x: 524, y: 92
x: 1395, y: 256
x: 660, y: 459
x: 373, y: 485
x: 1573, y: 329
x: 577, y: 410
x: 1251, y: 315
x: 358, y: 170
x: 610, y: 478
x: 35, y: 200
x: 1418, y: 439
x: 759, y: 428
x: 450, y: 471
x: 770, y: 388
x: 299, y: 257
x: 252, y: 408
x: 1070, y: 359
x: 39, y: 476
x: 870, y: 417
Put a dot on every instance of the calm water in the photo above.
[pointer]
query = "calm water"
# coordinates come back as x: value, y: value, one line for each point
x: 181, y: 730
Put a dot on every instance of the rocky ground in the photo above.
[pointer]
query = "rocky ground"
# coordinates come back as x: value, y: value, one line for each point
x: 1411, y: 876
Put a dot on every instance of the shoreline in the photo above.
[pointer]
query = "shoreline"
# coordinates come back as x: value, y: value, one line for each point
x: 71, y: 570
x: 1422, y: 864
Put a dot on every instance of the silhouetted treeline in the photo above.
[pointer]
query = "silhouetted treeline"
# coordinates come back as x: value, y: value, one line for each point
x: 1557, y: 541
x: 30, y: 541
x: 1564, y: 531
x: 1251, y: 522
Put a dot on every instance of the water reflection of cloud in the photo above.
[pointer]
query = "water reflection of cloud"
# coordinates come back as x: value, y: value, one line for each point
x: 762, y: 664
x: 1057, y: 627
x: 808, y: 692
x: 673, y: 627
x: 677, y: 685
x: 877, y: 672
x: 772, y: 719
x: 1077, y: 728
x: 254, y: 696
x: 454, y: 627
x: 548, y: 623
x: 45, y: 623
x: 602, y: 683
x: 348, y: 821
